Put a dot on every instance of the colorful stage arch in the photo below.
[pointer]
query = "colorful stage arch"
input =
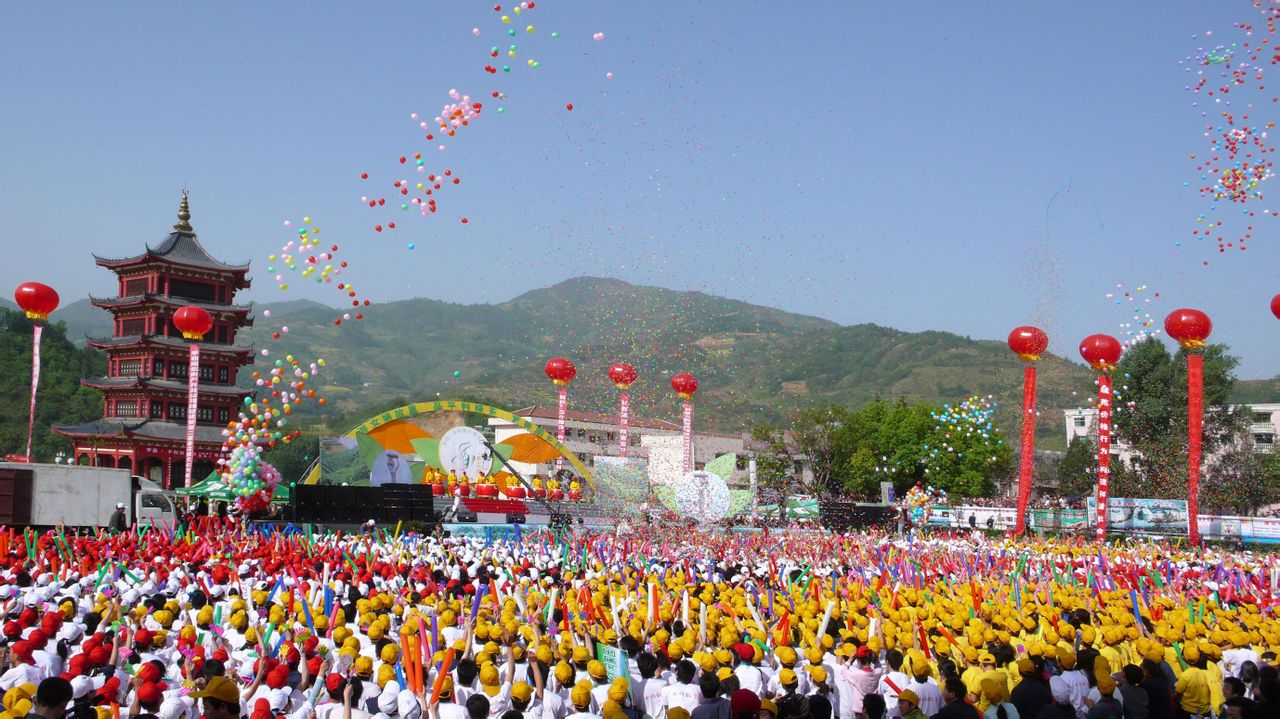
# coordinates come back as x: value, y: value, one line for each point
x: 391, y: 430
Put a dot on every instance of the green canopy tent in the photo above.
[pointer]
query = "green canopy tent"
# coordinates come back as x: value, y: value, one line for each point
x: 212, y: 489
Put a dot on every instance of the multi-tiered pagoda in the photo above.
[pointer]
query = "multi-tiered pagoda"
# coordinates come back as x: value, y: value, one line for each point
x: 143, y: 427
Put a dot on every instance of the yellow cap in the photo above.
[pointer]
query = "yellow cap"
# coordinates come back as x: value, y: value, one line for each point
x: 521, y: 691
x: 787, y: 677
x: 596, y: 669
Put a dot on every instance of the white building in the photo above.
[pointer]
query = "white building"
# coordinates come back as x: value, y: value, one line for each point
x: 595, y: 434
x: 1263, y: 420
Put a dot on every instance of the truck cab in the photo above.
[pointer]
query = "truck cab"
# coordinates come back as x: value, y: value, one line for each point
x: 152, y: 503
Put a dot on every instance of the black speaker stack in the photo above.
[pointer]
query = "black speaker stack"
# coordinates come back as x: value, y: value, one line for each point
x: 388, y: 504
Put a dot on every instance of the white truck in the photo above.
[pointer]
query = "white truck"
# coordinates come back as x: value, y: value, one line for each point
x: 52, y: 495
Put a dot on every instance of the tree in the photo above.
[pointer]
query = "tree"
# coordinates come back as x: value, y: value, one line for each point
x: 1078, y: 470
x: 1151, y: 395
x: 1151, y: 416
x: 819, y: 436
x: 775, y: 466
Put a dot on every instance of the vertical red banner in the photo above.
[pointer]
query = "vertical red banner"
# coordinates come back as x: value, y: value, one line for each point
x: 560, y: 422
x: 1028, y: 445
x: 688, y: 436
x: 1104, y: 452
x: 1195, y: 432
x: 624, y: 423
x: 35, y: 382
x: 193, y: 396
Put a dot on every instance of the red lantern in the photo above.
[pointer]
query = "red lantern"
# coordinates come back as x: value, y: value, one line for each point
x: 684, y: 385
x: 37, y: 300
x: 560, y: 371
x: 622, y: 375
x: 194, y: 322
x: 1028, y: 342
x: 1101, y: 352
x: 1275, y: 306
x: 1189, y: 327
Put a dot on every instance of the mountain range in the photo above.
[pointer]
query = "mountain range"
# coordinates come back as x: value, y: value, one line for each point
x: 754, y: 364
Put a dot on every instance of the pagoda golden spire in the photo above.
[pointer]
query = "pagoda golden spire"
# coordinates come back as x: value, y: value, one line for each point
x: 184, y: 215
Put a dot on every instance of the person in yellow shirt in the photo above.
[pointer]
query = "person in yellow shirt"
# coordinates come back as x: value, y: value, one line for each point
x: 1192, y: 689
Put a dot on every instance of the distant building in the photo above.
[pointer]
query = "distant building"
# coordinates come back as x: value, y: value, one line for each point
x: 1263, y: 421
x: 144, y: 395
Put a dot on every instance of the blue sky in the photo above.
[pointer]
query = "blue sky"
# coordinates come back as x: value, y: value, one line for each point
x: 958, y: 166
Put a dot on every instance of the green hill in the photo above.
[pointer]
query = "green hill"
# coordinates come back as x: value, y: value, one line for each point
x: 755, y: 364
x: 61, y: 398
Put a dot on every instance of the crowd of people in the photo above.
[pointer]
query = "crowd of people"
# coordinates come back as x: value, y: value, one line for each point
x: 228, y: 623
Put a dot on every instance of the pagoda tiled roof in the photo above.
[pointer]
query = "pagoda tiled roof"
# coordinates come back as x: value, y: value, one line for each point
x: 140, y: 429
x: 162, y: 340
x: 108, y: 302
x: 179, y: 247
x: 165, y: 384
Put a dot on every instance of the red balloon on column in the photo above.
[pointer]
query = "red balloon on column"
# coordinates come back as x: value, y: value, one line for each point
x: 1028, y: 343
x: 1191, y: 328
x: 194, y: 323
x: 38, y: 302
x: 561, y: 372
x: 623, y: 375
x: 1102, y: 352
x: 685, y: 385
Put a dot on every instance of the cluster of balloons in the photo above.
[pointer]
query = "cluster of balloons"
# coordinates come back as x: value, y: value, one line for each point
x: 919, y: 500
x: 315, y: 261
x: 263, y: 424
x: 1239, y: 159
x: 972, y: 418
x: 459, y: 112
x: 250, y: 479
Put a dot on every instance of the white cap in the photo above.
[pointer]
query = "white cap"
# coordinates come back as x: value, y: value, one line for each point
x: 119, y: 505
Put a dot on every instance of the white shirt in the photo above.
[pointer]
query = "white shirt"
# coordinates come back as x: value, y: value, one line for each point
x: 685, y: 696
x: 19, y: 675
x: 750, y: 677
x: 450, y: 710
x: 652, y: 698
x: 930, y: 696
x: 1079, y: 688
x: 890, y: 694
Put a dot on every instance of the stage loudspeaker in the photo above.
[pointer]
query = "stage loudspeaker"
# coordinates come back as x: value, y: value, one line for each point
x: 515, y: 519
x: 465, y: 516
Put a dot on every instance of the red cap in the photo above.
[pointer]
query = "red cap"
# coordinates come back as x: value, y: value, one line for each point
x: 12, y: 629
x: 220, y: 655
x: 99, y: 655
x: 22, y: 650
x: 278, y: 677
x: 149, y: 693
x: 864, y: 652
x: 38, y: 638
x: 148, y: 673
x: 745, y: 651
x: 143, y: 637
x: 333, y: 682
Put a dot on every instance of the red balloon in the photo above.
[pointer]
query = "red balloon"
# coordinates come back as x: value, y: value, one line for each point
x: 622, y: 375
x: 194, y: 322
x: 560, y: 371
x: 684, y: 385
x: 1189, y: 327
x: 1275, y: 306
x: 37, y: 300
x: 1028, y: 342
x: 1100, y: 351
